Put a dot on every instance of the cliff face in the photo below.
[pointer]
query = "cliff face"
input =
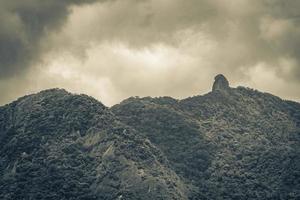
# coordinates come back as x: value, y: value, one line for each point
x: 232, y: 143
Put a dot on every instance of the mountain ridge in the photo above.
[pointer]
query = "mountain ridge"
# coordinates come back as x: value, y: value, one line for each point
x: 231, y: 143
x: 78, y: 150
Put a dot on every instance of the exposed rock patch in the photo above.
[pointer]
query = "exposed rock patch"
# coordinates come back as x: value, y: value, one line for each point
x: 221, y: 83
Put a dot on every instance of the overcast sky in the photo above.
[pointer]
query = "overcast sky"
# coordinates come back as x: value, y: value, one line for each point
x: 114, y: 49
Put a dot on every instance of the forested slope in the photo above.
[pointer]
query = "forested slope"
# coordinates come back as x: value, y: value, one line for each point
x: 231, y: 143
x: 55, y: 145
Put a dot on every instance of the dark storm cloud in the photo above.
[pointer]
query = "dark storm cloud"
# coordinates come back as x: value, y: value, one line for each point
x: 246, y: 31
x: 148, y: 47
x: 23, y: 24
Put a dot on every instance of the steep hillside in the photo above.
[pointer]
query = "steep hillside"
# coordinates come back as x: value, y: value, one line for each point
x: 55, y: 145
x: 232, y: 143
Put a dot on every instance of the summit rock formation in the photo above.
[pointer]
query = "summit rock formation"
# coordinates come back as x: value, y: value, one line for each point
x: 243, y: 144
x: 220, y: 83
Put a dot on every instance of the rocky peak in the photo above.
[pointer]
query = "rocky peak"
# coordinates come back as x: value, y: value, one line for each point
x: 221, y: 83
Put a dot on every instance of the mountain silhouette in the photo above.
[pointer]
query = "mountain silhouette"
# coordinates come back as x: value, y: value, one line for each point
x: 231, y: 143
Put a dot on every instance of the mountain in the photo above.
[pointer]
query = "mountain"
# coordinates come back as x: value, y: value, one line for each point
x: 232, y: 143
x: 55, y: 145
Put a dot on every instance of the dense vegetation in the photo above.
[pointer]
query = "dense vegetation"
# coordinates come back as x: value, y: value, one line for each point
x: 232, y: 143
x: 55, y: 145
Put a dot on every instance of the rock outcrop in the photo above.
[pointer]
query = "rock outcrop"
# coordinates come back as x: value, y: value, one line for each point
x: 221, y: 83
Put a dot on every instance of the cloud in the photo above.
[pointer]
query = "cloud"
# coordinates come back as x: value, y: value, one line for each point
x: 24, y: 24
x: 247, y: 32
x: 119, y: 48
